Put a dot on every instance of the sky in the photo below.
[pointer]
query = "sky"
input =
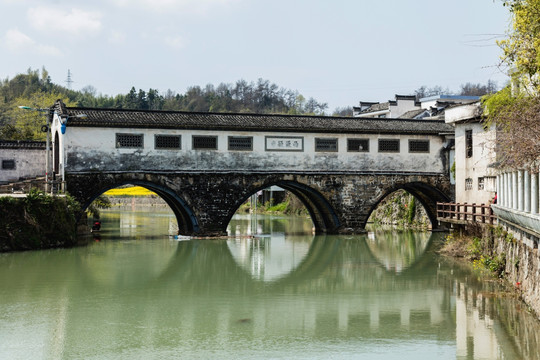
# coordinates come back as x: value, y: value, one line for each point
x: 337, y: 51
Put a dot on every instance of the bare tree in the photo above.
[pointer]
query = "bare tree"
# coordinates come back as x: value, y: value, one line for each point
x: 470, y: 89
x: 518, y: 135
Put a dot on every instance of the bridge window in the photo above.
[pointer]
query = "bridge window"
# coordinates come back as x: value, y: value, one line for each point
x: 168, y: 142
x: 204, y: 142
x: 468, y: 143
x: 419, y: 146
x: 242, y: 143
x: 358, y: 145
x: 129, y: 140
x: 8, y: 164
x: 388, y: 145
x: 326, y: 144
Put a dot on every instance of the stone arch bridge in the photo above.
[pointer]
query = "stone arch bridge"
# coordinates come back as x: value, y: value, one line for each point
x: 205, y: 165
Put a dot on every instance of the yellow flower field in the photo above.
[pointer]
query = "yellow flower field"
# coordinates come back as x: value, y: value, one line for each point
x: 129, y: 191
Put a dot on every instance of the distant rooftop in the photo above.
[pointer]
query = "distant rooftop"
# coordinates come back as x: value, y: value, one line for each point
x: 450, y: 98
x: 406, y: 107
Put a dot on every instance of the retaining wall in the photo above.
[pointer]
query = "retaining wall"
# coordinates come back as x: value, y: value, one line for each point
x: 522, y: 268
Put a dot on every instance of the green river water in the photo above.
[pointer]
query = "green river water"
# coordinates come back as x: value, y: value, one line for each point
x: 271, y: 290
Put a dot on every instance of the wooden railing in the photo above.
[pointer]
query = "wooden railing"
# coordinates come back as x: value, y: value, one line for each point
x: 465, y: 213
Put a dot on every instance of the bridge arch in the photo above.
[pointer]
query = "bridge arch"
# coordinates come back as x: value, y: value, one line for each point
x: 204, y: 203
x: 324, y: 217
x: 427, y: 194
x: 185, y: 217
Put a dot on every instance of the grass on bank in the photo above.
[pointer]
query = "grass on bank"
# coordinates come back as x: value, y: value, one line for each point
x: 472, y: 247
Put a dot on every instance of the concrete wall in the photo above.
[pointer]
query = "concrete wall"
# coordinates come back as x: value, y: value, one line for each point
x: 29, y: 163
x: 94, y: 149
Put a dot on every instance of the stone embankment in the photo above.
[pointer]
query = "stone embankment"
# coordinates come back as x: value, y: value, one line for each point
x: 522, y: 268
x: 506, y: 256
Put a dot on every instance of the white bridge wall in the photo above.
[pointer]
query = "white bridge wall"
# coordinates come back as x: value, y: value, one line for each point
x: 94, y: 149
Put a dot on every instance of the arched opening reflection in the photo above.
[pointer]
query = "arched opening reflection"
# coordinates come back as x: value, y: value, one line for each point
x: 399, y: 249
x: 270, y: 234
x: 118, y: 264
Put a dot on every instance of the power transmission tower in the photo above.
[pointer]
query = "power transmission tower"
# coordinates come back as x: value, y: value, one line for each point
x: 69, y: 81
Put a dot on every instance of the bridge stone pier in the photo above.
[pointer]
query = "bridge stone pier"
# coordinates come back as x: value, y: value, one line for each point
x: 206, y: 165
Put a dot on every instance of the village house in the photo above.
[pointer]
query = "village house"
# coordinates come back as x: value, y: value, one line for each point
x: 474, y: 154
x: 407, y: 107
x: 21, y: 160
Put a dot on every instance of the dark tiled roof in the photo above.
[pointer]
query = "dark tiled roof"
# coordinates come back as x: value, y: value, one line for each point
x: 245, y: 122
x: 405, y: 97
x: 411, y: 114
x: 22, y: 144
x: 377, y: 107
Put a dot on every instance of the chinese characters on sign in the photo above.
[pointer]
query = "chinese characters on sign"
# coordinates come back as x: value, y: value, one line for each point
x: 284, y: 143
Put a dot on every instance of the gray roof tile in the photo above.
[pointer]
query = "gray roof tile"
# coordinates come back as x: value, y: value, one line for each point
x: 22, y: 144
x: 245, y: 122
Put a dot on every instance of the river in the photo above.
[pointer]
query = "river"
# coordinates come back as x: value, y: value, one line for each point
x: 271, y: 290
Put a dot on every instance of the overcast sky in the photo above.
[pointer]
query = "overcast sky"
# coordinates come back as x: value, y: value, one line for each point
x: 337, y: 51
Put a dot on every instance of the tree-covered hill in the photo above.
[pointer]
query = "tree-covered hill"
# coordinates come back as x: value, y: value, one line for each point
x: 35, y: 89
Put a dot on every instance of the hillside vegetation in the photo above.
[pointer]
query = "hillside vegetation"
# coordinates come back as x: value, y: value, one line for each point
x: 36, y: 89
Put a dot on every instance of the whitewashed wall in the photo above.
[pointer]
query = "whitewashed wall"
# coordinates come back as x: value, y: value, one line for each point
x: 401, y: 107
x: 477, y: 166
x: 94, y: 149
x: 29, y: 163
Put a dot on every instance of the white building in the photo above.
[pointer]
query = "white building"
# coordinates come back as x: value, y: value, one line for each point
x: 390, y: 109
x: 407, y: 107
x: 474, y: 155
x: 21, y: 159
x: 478, y: 179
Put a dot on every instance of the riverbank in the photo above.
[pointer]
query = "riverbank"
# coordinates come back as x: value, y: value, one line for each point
x: 507, y: 258
x: 37, y: 221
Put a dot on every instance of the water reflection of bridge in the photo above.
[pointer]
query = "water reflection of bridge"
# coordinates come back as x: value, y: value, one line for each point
x: 339, y: 290
x: 338, y: 281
